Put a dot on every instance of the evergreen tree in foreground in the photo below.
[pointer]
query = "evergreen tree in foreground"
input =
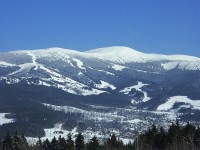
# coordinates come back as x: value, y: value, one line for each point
x: 79, y: 142
x: 69, y: 142
x: 14, y: 143
x: 177, y: 137
x: 46, y: 145
x: 93, y: 144
x: 7, y: 142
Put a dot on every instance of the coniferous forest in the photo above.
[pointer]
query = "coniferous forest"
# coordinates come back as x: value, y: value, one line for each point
x: 176, y: 137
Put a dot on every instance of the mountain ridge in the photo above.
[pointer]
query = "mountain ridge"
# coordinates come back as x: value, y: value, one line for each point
x: 118, y: 54
x: 110, y: 87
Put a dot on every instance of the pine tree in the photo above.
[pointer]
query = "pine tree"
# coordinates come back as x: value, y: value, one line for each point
x: 54, y: 144
x: 46, y: 145
x: 79, y: 142
x: 150, y: 136
x: 93, y: 144
x: 7, y: 142
x: 38, y: 145
x: 24, y: 142
x: 62, y: 143
x: 113, y: 141
x: 161, y: 139
x: 174, y: 135
x: 197, y: 137
x: 70, y: 142
x: 16, y: 142
x: 189, y: 133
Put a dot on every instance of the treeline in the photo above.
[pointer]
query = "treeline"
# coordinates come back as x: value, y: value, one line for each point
x: 177, y: 137
x: 18, y: 142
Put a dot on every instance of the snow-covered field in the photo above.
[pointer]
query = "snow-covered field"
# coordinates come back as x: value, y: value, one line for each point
x: 4, y: 120
x: 124, y: 120
x: 118, y: 67
x: 88, y: 115
x: 195, y: 104
x: 58, y: 131
x: 104, y: 85
x: 95, y: 72
x: 137, y: 87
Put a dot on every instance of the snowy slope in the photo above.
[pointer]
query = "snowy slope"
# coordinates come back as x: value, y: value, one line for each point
x: 116, y: 55
x: 187, y: 103
x: 127, y: 55
x: 109, y: 87
x: 137, y: 87
x: 4, y: 120
x: 81, y: 72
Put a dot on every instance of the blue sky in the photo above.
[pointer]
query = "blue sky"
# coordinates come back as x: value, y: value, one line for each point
x: 151, y: 26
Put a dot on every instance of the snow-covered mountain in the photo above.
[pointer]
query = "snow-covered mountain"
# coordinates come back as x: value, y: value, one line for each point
x: 105, y: 70
x: 105, y: 79
x: 73, y: 70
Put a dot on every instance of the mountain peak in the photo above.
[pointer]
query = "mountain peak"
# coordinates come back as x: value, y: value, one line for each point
x: 119, y: 54
x: 114, y: 50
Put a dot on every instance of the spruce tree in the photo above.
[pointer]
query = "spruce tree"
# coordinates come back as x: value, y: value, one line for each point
x: 62, y: 143
x: 7, y: 142
x: 70, y: 142
x: 197, y: 137
x: 79, y: 142
x: 46, y: 145
x: 150, y: 136
x: 38, y: 145
x: 113, y: 141
x: 161, y: 139
x: 54, y: 144
x: 24, y: 142
x: 189, y: 133
x: 19, y: 142
x: 93, y: 144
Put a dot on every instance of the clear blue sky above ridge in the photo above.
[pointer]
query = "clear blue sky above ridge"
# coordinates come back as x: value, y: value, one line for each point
x: 151, y: 26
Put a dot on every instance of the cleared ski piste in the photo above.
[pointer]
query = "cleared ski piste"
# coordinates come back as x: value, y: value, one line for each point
x: 4, y: 120
x: 195, y: 104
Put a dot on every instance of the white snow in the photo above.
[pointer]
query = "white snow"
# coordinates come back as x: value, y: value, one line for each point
x: 135, y: 121
x: 184, y: 65
x: 27, y: 66
x: 51, y: 72
x: 54, y: 132
x: 170, y: 65
x: 146, y: 71
x: 33, y: 60
x: 4, y: 120
x: 3, y: 63
x: 137, y: 87
x: 106, y: 72
x: 43, y: 83
x: 88, y: 115
x: 78, y: 88
x: 104, y: 85
x: 195, y: 104
x: 80, y: 73
x: 122, y: 55
x: 126, y: 141
x: 116, y: 54
x: 118, y: 67
x: 79, y: 63
x: 23, y: 68
x: 59, y: 131
x: 67, y: 84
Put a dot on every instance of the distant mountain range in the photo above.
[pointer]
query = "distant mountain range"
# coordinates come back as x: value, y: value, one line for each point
x: 116, y: 84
